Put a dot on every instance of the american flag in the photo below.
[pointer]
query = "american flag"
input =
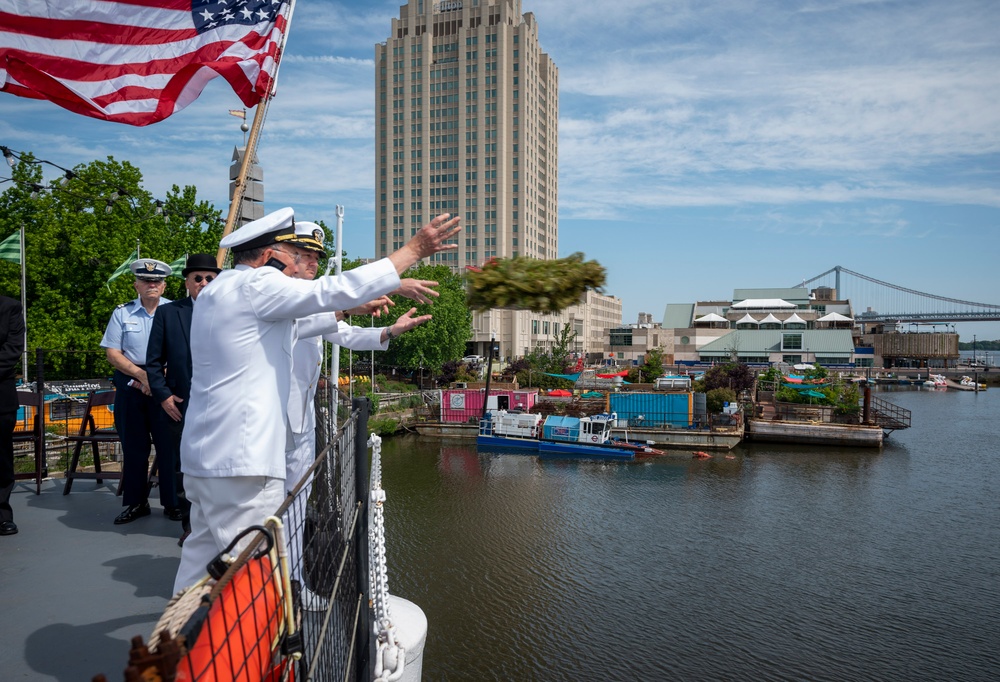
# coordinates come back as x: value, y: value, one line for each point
x: 138, y: 61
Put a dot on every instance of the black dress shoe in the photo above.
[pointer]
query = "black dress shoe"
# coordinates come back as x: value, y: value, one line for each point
x: 132, y: 513
x: 173, y: 513
x: 8, y: 528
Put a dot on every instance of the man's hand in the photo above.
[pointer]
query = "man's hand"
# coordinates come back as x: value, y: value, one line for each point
x: 170, y: 407
x: 375, y: 307
x: 428, y: 241
x: 406, y: 322
x: 417, y: 289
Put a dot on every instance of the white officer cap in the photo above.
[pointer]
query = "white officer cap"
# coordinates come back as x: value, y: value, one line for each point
x: 150, y: 269
x: 309, y: 236
x: 273, y: 228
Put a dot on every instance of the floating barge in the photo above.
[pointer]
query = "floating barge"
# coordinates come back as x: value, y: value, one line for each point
x: 810, y: 433
x: 778, y: 422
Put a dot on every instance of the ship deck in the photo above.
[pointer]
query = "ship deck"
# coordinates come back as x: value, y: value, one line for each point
x: 76, y: 588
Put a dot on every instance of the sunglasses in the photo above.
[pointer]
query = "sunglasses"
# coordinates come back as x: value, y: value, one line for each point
x: 198, y: 279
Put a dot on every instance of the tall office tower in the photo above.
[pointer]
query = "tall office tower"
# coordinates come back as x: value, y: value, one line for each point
x: 466, y: 122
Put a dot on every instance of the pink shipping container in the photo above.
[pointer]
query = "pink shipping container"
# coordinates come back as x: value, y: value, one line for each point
x: 465, y: 405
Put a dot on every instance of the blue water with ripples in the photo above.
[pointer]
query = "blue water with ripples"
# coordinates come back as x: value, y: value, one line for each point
x: 774, y: 563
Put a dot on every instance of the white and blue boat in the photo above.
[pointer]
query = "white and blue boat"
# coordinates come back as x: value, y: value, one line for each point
x: 588, y: 437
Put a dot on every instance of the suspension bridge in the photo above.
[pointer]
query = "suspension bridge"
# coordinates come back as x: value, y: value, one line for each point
x: 874, y: 300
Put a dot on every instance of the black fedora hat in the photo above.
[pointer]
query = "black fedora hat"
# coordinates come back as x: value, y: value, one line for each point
x: 200, y: 262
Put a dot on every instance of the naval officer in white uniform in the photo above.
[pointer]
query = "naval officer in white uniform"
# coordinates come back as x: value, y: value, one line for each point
x: 234, y: 442
x: 307, y: 352
x: 307, y: 356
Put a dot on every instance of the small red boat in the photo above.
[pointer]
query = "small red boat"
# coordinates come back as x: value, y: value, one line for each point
x: 640, y: 449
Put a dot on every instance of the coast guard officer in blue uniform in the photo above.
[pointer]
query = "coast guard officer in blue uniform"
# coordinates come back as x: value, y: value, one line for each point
x: 136, y: 412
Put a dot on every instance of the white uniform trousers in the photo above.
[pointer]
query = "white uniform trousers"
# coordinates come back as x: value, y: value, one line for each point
x: 221, y: 507
x: 297, y: 463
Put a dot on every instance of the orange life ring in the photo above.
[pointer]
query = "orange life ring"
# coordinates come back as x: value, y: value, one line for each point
x: 237, y: 638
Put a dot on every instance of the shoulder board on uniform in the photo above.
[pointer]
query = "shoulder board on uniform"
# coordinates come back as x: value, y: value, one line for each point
x: 120, y: 305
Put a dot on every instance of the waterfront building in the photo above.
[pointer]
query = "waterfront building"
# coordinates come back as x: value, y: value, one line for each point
x: 629, y: 344
x: 518, y: 332
x: 467, y: 111
x: 762, y: 326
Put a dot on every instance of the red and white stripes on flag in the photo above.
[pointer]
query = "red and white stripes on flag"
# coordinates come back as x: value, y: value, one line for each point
x: 138, y: 61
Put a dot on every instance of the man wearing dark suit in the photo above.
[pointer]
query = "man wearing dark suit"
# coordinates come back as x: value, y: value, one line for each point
x: 11, y: 347
x: 168, y: 367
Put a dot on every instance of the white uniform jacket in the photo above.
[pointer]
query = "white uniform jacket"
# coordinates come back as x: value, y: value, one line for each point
x: 242, y: 333
x: 307, y: 356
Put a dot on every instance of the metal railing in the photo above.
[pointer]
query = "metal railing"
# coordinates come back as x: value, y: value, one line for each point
x: 300, y: 611
x: 889, y: 416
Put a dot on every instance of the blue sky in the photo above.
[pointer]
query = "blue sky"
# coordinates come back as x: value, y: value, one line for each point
x: 704, y: 146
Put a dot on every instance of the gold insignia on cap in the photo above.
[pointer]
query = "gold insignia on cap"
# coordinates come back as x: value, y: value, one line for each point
x: 318, y: 236
x: 150, y: 266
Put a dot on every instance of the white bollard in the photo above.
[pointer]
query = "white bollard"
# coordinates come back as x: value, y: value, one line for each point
x: 411, y: 632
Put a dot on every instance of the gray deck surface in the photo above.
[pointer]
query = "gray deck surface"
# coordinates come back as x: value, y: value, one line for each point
x: 74, y: 587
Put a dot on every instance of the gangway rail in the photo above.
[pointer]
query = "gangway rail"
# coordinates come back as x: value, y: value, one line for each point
x: 889, y: 416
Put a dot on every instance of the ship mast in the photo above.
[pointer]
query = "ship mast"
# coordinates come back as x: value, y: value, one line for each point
x: 239, y: 189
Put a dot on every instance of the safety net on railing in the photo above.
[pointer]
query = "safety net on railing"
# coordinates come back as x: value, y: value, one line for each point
x: 289, y: 601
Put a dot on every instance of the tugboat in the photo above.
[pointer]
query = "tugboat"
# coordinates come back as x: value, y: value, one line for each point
x: 588, y: 437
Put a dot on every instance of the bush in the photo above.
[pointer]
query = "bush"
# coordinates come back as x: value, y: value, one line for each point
x: 389, y: 386
x: 772, y: 375
x: 716, y: 399
x: 734, y: 375
x: 383, y: 427
x: 788, y: 395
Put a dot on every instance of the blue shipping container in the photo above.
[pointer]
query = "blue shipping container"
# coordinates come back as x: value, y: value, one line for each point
x: 653, y: 409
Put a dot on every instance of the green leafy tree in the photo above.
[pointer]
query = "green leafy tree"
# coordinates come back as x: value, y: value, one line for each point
x: 430, y: 345
x: 535, y: 367
x: 716, y: 399
x: 76, y: 235
x: 817, y: 372
x: 652, y: 366
x: 560, y: 357
x: 735, y: 375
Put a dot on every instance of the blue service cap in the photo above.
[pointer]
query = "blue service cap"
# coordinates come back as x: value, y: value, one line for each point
x: 273, y: 228
x: 309, y: 236
x: 150, y: 268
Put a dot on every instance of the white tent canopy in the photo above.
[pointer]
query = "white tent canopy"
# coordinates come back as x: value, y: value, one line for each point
x: 834, y: 317
x: 795, y: 319
x: 747, y: 319
x: 763, y: 304
x: 770, y: 319
x: 711, y: 317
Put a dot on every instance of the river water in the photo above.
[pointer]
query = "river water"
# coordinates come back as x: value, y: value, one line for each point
x: 774, y: 563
